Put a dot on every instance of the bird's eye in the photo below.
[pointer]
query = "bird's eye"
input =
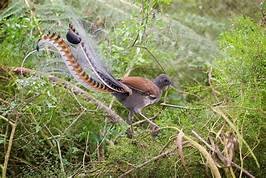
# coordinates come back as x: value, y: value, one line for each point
x: 165, y: 80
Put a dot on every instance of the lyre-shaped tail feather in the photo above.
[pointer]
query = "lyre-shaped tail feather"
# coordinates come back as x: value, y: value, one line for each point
x: 93, y: 59
x: 3, y: 4
x: 55, y: 41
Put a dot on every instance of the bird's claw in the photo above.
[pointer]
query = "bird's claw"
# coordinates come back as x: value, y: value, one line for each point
x: 155, y: 130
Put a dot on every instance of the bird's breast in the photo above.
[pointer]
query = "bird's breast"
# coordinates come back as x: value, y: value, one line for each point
x: 136, y: 101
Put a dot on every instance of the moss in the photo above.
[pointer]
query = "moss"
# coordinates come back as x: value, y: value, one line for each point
x: 241, y: 80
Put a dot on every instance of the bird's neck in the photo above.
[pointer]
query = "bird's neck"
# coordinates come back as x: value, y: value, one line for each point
x: 159, y: 85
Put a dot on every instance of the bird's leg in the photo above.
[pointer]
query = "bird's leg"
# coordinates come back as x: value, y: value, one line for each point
x: 130, y: 130
x: 156, y: 115
x: 147, y: 119
x: 154, y: 127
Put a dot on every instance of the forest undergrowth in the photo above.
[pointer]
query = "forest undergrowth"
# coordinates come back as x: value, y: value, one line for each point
x: 211, y: 125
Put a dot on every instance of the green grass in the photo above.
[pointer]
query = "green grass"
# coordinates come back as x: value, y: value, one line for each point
x: 220, y: 87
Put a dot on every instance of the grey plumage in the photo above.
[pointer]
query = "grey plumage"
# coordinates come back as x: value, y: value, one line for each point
x: 135, y: 93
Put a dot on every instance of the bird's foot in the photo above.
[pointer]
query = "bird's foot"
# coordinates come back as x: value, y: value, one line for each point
x: 155, y: 130
x: 130, y: 133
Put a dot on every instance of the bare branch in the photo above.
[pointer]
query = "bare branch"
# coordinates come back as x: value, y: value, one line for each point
x: 10, y: 143
x: 60, y: 157
x: 113, y: 117
x: 221, y: 155
x: 147, y: 162
x: 7, y: 120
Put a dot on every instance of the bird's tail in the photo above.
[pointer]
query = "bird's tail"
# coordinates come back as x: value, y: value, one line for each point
x: 86, y: 52
x: 3, y: 4
x: 55, y: 41
x: 82, y: 51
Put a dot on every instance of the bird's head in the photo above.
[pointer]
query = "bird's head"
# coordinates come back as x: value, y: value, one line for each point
x: 162, y: 81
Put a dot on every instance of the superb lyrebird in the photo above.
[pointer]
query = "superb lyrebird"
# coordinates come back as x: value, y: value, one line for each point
x: 133, y: 92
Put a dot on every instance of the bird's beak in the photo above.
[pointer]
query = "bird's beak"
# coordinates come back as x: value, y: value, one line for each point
x: 172, y: 85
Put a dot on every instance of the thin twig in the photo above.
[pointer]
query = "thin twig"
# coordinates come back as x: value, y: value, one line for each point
x: 10, y: 142
x: 73, y: 122
x: 144, y: 120
x: 177, y: 106
x: 60, y: 158
x: 167, y: 143
x: 113, y: 117
x: 7, y: 120
x: 86, y: 147
x: 28, y: 4
x: 218, y: 111
x: 202, y: 150
x: 147, y: 162
x: 221, y: 155
x: 214, y: 92
x: 153, y: 56
x: 179, y: 144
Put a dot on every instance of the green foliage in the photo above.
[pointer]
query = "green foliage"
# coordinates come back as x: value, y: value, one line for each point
x: 246, y: 48
x: 241, y: 79
x: 53, y: 118
x: 228, y: 7
x: 15, y: 32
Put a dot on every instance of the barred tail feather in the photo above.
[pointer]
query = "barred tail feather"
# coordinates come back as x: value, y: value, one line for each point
x: 3, y: 4
x: 55, y: 41
x: 93, y: 59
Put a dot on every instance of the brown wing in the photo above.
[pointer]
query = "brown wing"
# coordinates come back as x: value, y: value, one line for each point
x: 141, y: 84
